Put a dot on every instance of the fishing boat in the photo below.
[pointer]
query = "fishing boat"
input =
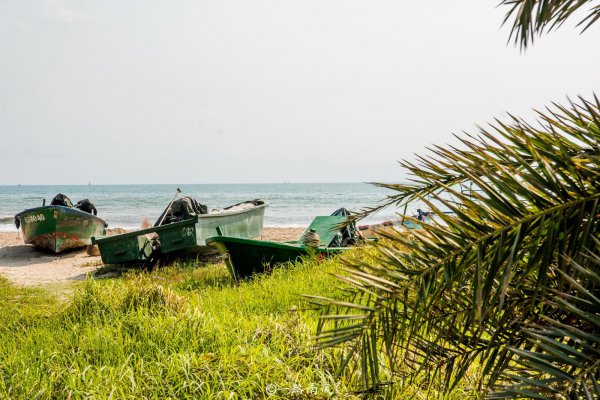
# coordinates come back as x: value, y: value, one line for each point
x: 245, y: 257
x: 183, y: 232
x: 59, y: 227
x: 415, y: 222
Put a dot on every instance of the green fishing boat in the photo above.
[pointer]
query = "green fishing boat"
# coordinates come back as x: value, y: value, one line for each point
x: 185, y: 232
x: 245, y: 257
x: 59, y: 228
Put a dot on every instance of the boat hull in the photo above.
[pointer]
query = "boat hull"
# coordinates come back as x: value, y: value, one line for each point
x: 187, y: 236
x: 246, y: 257
x: 58, y: 228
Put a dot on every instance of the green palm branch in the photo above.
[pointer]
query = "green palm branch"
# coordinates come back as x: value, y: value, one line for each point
x: 534, y: 17
x: 468, y: 294
x: 563, y: 353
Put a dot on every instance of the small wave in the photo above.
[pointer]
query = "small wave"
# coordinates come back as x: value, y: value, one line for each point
x: 8, y: 228
x: 6, y: 219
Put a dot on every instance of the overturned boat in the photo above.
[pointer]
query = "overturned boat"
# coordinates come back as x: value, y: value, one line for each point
x: 183, y: 228
x: 61, y: 225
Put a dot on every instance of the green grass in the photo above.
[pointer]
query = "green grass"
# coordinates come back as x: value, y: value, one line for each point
x: 181, y: 331
x: 178, y: 332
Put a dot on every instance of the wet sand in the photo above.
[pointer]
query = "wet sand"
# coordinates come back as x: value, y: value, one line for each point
x: 24, y: 265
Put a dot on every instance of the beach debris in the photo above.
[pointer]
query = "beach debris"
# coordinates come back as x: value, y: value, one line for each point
x: 92, y: 250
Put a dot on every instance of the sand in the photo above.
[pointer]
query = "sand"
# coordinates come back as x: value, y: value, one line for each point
x: 24, y: 265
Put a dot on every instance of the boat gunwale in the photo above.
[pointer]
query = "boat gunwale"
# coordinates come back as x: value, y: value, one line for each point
x: 270, y: 244
x: 155, y: 229
x: 60, y: 208
x: 202, y: 216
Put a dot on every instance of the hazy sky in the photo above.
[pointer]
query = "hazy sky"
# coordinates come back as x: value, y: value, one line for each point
x: 261, y: 91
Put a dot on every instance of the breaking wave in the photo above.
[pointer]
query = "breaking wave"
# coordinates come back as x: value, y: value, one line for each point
x: 6, y: 219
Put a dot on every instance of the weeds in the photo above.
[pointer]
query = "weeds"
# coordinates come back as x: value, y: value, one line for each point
x: 180, y: 331
x: 175, y: 332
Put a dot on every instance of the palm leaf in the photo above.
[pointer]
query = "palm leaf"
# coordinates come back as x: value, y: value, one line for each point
x: 462, y: 292
x: 532, y: 18
x: 564, y: 354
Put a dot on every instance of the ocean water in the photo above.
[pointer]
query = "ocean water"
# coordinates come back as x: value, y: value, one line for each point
x: 125, y: 206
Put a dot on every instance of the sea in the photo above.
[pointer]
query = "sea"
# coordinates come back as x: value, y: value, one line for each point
x: 126, y: 206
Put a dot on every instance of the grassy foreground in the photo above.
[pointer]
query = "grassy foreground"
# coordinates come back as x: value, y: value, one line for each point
x: 176, y: 332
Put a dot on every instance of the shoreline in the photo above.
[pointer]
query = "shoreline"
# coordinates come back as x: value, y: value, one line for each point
x: 23, y: 265
x: 12, y: 229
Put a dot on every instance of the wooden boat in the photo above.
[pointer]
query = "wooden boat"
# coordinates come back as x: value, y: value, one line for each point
x: 245, y: 257
x: 59, y: 228
x: 187, y: 236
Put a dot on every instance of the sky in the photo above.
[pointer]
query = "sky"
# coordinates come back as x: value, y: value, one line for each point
x: 238, y: 91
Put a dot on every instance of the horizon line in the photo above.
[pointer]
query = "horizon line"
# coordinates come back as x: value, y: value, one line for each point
x: 186, y: 183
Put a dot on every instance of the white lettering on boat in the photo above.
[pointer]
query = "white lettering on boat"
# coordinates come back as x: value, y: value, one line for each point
x: 34, y: 218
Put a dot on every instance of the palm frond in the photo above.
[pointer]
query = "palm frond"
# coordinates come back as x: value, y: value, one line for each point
x: 563, y: 354
x: 532, y: 18
x: 461, y: 291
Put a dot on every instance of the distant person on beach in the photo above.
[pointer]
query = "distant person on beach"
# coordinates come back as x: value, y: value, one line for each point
x: 421, y: 215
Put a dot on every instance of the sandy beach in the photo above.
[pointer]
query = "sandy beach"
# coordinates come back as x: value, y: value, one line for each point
x: 24, y: 265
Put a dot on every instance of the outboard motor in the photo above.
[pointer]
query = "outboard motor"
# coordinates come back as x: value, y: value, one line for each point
x: 182, y: 209
x: 61, y: 200
x: 87, y: 206
x: 347, y: 236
